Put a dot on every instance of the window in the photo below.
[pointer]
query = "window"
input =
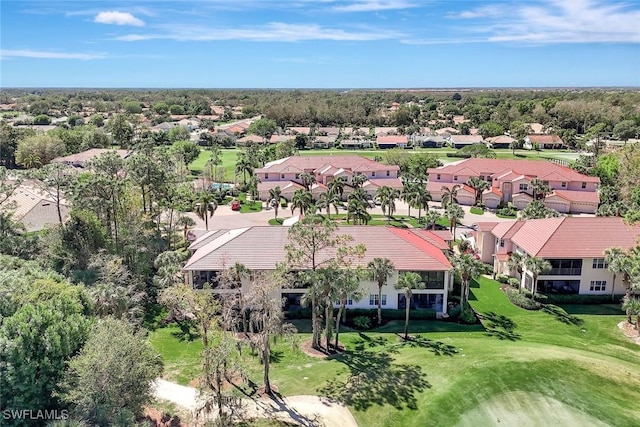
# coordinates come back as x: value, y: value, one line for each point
x: 565, y: 267
x: 388, y: 173
x: 455, y: 177
x: 482, y: 177
x: 501, y: 243
x: 297, y: 176
x: 524, y: 187
x: 282, y: 176
x: 373, y: 299
x: 598, y: 285
x: 373, y: 173
x: 350, y: 300
x: 599, y: 263
x: 438, y: 176
x: 564, y: 184
x: 584, y: 185
x: 266, y: 176
x: 545, y: 182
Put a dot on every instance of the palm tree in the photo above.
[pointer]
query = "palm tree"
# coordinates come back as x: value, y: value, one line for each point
x: 422, y: 199
x: 450, y: 195
x: 349, y: 287
x: 328, y: 199
x: 515, y: 262
x: 479, y: 185
x: 536, y: 266
x: 206, y: 207
x: 388, y: 198
x: 381, y: 269
x: 275, y: 194
x: 236, y: 274
x: 454, y: 212
x: 406, y: 283
x: 632, y: 307
x: 186, y: 222
x: 301, y: 200
x: 467, y: 267
x: 337, y: 186
x: 244, y: 167
x: 619, y: 262
x: 540, y: 189
x: 357, y: 210
x: 358, y: 180
x: 307, y: 180
x: 432, y: 218
x: 409, y: 194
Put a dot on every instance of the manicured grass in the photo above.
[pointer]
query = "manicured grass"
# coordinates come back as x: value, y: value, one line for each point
x: 276, y: 221
x: 476, y: 210
x: 506, y: 216
x: 451, y: 369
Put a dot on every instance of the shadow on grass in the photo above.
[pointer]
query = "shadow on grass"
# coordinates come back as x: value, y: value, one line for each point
x: 562, y: 316
x: 375, y: 380
x: 186, y: 333
x: 363, y: 341
x: 276, y: 356
x: 436, y: 347
x: 500, y: 326
x: 612, y: 309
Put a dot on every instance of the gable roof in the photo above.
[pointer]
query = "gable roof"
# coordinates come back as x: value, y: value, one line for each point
x: 468, y: 139
x: 311, y: 163
x: 545, y: 139
x: 205, y: 238
x: 407, y: 250
x: 392, y: 139
x: 79, y: 159
x: 575, y: 237
x: 533, y: 168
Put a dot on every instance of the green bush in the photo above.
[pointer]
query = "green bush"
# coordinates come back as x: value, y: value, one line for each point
x: 454, y: 312
x: 513, y: 282
x: 508, y: 211
x: 389, y: 314
x: 362, y: 322
x: 504, y: 279
x: 521, y: 300
x: 468, y: 316
x: 579, y: 299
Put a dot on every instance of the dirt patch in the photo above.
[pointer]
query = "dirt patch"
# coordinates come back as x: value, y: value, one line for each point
x: 308, y: 349
x: 158, y: 418
x: 235, y: 380
x: 524, y: 409
x: 629, y: 330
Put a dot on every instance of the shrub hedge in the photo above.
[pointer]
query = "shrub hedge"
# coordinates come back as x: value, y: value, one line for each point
x: 560, y: 299
x: 521, y: 299
x: 416, y: 314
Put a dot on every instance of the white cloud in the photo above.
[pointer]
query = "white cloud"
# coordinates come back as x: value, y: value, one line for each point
x: 39, y: 54
x: 374, y: 5
x: 556, y: 21
x: 118, y: 18
x: 272, y: 32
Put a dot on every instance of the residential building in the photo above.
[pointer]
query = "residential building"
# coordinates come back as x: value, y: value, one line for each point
x: 286, y: 172
x: 392, y: 141
x: 80, y: 160
x: 574, y: 246
x: 459, y: 141
x: 510, y: 181
x: 34, y: 208
x: 261, y: 248
x: 500, y: 141
x: 543, y: 142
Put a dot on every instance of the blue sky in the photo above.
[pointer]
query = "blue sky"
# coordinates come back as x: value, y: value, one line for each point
x: 319, y: 43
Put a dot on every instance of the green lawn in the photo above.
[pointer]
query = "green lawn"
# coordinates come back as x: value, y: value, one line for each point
x: 452, y: 372
x: 476, y: 210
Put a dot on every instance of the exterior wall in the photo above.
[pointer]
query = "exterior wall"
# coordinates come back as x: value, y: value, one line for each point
x: 577, y: 186
x: 521, y: 202
x: 486, y: 245
x: 583, y: 207
x: 588, y: 274
x: 369, y: 287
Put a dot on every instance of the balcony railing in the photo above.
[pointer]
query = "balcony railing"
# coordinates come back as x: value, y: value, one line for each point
x: 564, y: 272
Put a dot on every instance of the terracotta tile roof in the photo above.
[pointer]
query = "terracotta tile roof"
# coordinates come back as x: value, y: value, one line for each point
x: 443, y: 235
x: 501, y: 139
x: 505, y: 230
x: 79, y: 159
x: 578, y: 196
x: 502, y: 257
x: 493, y: 190
x: 285, y: 186
x: 545, y: 139
x: 251, y: 138
x: 486, y: 226
x: 407, y: 250
x: 311, y: 163
x: 575, y: 237
x: 534, y: 168
x: 449, y: 130
x: 470, y: 139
